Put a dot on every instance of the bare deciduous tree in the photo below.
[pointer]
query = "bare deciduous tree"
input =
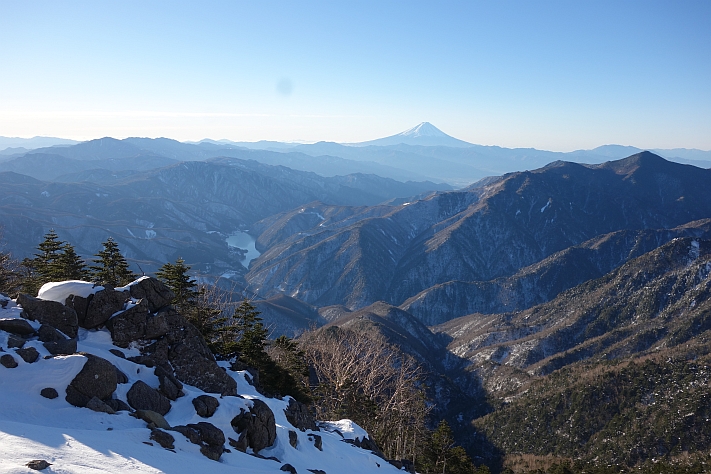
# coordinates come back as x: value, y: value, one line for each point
x: 362, y: 377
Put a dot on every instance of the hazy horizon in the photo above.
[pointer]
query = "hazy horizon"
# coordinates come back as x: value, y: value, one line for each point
x: 557, y: 76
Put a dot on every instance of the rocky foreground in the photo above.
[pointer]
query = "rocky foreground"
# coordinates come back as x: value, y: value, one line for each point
x: 114, y: 379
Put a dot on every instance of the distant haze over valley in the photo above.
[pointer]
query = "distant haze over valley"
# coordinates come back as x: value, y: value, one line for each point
x: 421, y: 153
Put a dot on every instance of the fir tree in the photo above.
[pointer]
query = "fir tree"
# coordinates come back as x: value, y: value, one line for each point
x: 177, y: 278
x: 291, y: 376
x: 252, y: 334
x: 44, y: 267
x: 442, y: 456
x: 112, y: 268
x: 70, y: 266
x: 201, y: 308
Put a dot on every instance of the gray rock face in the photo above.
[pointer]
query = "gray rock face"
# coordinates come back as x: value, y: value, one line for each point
x: 8, y: 361
x: 29, y: 354
x: 183, y: 350
x: 19, y: 327
x: 102, y: 306
x: 299, y: 416
x: 129, y: 325
x: 205, y: 405
x: 201, y: 372
x: 142, y: 397
x: 256, y: 427
x: 293, y: 438
x: 153, y: 291
x: 179, y: 349
x: 96, y: 379
x: 50, y: 312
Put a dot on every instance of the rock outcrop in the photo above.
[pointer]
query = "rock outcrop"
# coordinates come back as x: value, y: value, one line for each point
x: 256, y: 428
x: 205, y: 405
x: 153, y: 291
x: 299, y: 416
x: 142, y: 397
x: 210, y: 438
x: 96, y: 379
x: 51, y: 313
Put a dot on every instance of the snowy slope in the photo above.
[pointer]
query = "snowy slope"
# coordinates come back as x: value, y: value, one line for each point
x: 78, y: 440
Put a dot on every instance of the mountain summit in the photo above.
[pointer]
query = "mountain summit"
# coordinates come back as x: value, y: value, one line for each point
x: 424, y: 134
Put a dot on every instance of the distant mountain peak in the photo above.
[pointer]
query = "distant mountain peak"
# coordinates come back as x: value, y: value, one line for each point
x: 424, y: 134
x: 425, y: 129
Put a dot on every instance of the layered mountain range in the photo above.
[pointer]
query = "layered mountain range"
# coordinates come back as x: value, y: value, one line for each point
x: 328, y: 255
x: 526, y: 285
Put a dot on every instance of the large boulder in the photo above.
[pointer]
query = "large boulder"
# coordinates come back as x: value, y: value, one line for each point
x: 154, y: 291
x: 129, y: 325
x: 96, y: 379
x: 201, y: 371
x: 142, y: 397
x: 205, y: 405
x: 183, y: 351
x: 50, y: 312
x: 19, y: 327
x: 102, y: 306
x: 256, y: 428
x: 210, y: 438
x: 299, y: 416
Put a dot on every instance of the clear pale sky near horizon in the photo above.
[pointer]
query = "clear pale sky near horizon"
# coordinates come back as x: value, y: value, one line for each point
x: 555, y: 75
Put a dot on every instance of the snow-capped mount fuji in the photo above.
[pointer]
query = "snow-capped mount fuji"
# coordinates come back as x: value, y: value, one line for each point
x: 424, y: 134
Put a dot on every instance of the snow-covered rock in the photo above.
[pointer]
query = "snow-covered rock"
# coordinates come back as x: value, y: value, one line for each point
x: 36, y: 425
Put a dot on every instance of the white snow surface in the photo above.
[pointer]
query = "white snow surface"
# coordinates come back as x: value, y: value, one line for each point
x: 59, y: 291
x: 347, y: 428
x: 78, y: 440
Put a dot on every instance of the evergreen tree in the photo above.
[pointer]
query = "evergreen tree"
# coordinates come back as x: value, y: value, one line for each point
x: 71, y: 266
x: 45, y: 267
x: 442, y: 456
x: 292, y: 371
x: 251, y: 334
x: 177, y: 278
x: 202, y: 308
x: 112, y: 268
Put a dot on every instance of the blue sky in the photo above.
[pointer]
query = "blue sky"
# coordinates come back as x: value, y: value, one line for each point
x: 550, y: 75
